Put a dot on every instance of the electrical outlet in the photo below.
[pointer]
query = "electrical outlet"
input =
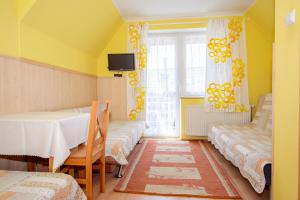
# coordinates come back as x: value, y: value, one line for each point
x: 291, y: 17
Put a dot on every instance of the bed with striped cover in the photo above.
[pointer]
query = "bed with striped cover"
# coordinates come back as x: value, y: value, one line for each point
x: 17, y: 185
x: 248, y: 147
x: 122, y: 136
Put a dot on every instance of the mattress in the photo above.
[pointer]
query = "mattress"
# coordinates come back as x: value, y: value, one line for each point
x: 16, y: 185
x: 121, y: 138
x: 247, y: 147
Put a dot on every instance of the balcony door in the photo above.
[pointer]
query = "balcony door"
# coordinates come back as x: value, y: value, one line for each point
x: 162, y: 101
x: 176, y: 68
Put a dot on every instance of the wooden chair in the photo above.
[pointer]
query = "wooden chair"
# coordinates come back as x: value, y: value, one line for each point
x: 87, y: 154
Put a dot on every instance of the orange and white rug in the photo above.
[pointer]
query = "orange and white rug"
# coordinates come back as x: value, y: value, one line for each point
x: 176, y: 168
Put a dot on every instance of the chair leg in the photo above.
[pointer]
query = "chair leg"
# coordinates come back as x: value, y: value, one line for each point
x: 89, y: 181
x: 102, y: 174
x: 72, y: 172
x: 119, y: 174
x: 81, y: 173
x: 51, y: 164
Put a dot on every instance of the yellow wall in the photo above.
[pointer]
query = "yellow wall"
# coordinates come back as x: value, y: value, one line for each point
x: 259, y: 55
x: 263, y: 13
x: 63, y: 33
x: 19, y: 40
x: 118, y: 44
x: 260, y: 21
x: 186, y: 24
x: 286, y: 103
x: 23, y: 7
x: 9, y: 28
x: 38, y: 46
x: 85, y: 25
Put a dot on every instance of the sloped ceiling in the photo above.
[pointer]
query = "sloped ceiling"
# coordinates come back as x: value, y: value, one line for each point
x: 88, y: 25
x: 23, y: 7
x: 170, y: 9
x: 263, y: 13
x: 83, y: 24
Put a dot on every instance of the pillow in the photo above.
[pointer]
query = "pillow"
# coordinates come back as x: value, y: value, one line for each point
x: 264, y: 124
x: 261, y: 120
x: 88, y: 108
x: 269, y: 123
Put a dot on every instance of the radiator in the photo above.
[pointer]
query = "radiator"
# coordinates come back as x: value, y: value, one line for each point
x: 198, y: 120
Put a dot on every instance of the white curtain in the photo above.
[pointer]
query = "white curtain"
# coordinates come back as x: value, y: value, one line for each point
x: 194, y: 46
x: 136, y: 87
x: 162, y: 90
x: 226, y: 70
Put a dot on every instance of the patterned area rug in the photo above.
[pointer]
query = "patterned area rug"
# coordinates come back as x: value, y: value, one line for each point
x: 176, y: 168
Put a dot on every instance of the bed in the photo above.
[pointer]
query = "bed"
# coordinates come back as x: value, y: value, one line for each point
x: 122, y: 136
x: 248, y: 147
x: 16, y: 185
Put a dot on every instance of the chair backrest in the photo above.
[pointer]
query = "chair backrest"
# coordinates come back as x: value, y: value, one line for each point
x: 98, y: 123
x: 103, y: 120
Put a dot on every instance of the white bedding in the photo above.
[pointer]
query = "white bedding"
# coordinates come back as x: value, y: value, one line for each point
x: 248, y: 147
x: 121, y: 138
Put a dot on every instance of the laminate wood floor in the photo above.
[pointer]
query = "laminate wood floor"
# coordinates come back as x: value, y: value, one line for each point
x: 242, y: 185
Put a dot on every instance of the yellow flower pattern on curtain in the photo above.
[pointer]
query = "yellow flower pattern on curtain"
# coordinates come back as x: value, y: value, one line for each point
x: 236, y: 27
x: 219, y: 49
x: 136, y: 79
x: 221, y: 96
x: 238, y: 72
x: 227, y: 89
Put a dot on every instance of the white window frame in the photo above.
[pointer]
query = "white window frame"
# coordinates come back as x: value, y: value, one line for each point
x: 181, y: 52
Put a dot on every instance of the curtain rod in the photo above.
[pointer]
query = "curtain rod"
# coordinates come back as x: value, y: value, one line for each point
x: 177, y: 23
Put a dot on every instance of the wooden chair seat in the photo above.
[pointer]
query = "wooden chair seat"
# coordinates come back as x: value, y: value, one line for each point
x: 87, y: 155
x: 79, y: 154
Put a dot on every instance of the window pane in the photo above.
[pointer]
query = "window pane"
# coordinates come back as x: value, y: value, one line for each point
x: 195, y: 65
x: 161, y: 87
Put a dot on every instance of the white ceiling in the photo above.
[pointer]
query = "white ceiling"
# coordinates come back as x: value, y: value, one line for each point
x: 167, y: 9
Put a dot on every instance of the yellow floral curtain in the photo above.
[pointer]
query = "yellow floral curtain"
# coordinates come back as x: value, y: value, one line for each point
x: 137, y: 79
x: 226, y: 72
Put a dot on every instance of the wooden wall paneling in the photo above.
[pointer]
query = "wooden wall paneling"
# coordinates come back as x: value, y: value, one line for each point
x: 2, y: 69
x: 117, y: 97
x: 124, y: 104
x: 28, y: 86
x: 114, y: 89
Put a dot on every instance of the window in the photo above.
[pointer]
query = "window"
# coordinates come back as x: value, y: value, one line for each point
x: 176, y: 67
x: 190, y: 59
x: 193, y: 80
x: 162, y: 87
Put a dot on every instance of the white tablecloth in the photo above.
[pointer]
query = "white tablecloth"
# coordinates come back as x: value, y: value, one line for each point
x: 43, y: 134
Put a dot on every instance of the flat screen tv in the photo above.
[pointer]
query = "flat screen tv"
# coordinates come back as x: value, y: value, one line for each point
x: 121, y: 62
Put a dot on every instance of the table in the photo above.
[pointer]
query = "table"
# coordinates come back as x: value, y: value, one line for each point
x: 44, y: 134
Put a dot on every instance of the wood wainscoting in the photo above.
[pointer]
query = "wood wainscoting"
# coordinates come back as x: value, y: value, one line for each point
x: 27, y: 86
x: 115, y: 89
x: 31, y: 86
